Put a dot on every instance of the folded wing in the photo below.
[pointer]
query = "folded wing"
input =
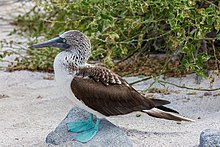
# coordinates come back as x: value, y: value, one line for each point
x: 107, y: 93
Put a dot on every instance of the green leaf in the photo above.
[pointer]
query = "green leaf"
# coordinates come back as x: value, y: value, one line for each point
x: 106, y: 16
x: 218, y: 36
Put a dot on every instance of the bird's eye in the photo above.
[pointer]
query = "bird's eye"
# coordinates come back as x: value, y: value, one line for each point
x: 64, y: 40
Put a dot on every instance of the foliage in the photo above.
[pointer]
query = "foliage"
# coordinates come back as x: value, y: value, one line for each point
x: 120, y: 29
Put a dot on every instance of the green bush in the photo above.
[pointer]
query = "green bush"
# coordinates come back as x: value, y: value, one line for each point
x: 118, y: 29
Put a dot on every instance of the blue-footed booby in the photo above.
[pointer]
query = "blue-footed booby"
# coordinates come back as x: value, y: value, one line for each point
x: 97, y: 89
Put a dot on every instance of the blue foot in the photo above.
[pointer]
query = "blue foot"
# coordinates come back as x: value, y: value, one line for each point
x: 80, y: 126
x: 88, y: 134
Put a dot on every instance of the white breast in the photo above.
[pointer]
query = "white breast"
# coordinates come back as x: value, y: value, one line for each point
x: 64, y: 78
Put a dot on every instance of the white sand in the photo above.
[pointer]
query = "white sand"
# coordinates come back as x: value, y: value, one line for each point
x: 31, y: 107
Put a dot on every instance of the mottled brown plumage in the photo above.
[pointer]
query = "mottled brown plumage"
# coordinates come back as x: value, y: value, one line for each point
x: 101, y: 74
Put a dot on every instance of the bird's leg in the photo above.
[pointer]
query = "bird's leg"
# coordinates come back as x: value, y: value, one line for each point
x: 82, y: 125
x: 87, y: 135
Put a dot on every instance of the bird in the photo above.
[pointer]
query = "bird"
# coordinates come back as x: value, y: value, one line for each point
x: 97, y: 89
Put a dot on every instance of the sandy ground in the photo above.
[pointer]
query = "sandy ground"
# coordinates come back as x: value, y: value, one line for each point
x: 31, y: 106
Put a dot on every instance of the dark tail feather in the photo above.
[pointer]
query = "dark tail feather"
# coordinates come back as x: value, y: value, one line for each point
x: 167, y: 109
x: 158, y: 102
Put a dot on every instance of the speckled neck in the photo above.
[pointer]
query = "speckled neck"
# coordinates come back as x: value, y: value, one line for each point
x: 66, y: 62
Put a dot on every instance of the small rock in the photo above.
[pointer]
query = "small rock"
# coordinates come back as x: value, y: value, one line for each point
x: 39, y: 97
x: 138, y: 115
x: 201, y: 96
x: 207, y: 93
x: 108, y: 134
x: 210, y: 138
x: 3, y: 96
x: 216, y: 94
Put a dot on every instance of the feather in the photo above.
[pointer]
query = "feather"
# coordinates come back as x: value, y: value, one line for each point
x: 166, y: 115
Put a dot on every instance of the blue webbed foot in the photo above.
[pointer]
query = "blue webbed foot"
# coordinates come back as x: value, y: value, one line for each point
x: 87, y: 135
x: 80, y: 126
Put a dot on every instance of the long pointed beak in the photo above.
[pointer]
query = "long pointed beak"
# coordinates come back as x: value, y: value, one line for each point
x: 56, y: 42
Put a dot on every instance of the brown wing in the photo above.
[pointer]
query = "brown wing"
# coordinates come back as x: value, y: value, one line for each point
x: 109, y: 97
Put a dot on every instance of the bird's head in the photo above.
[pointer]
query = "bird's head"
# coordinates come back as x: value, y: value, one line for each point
x: 69, y: 40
